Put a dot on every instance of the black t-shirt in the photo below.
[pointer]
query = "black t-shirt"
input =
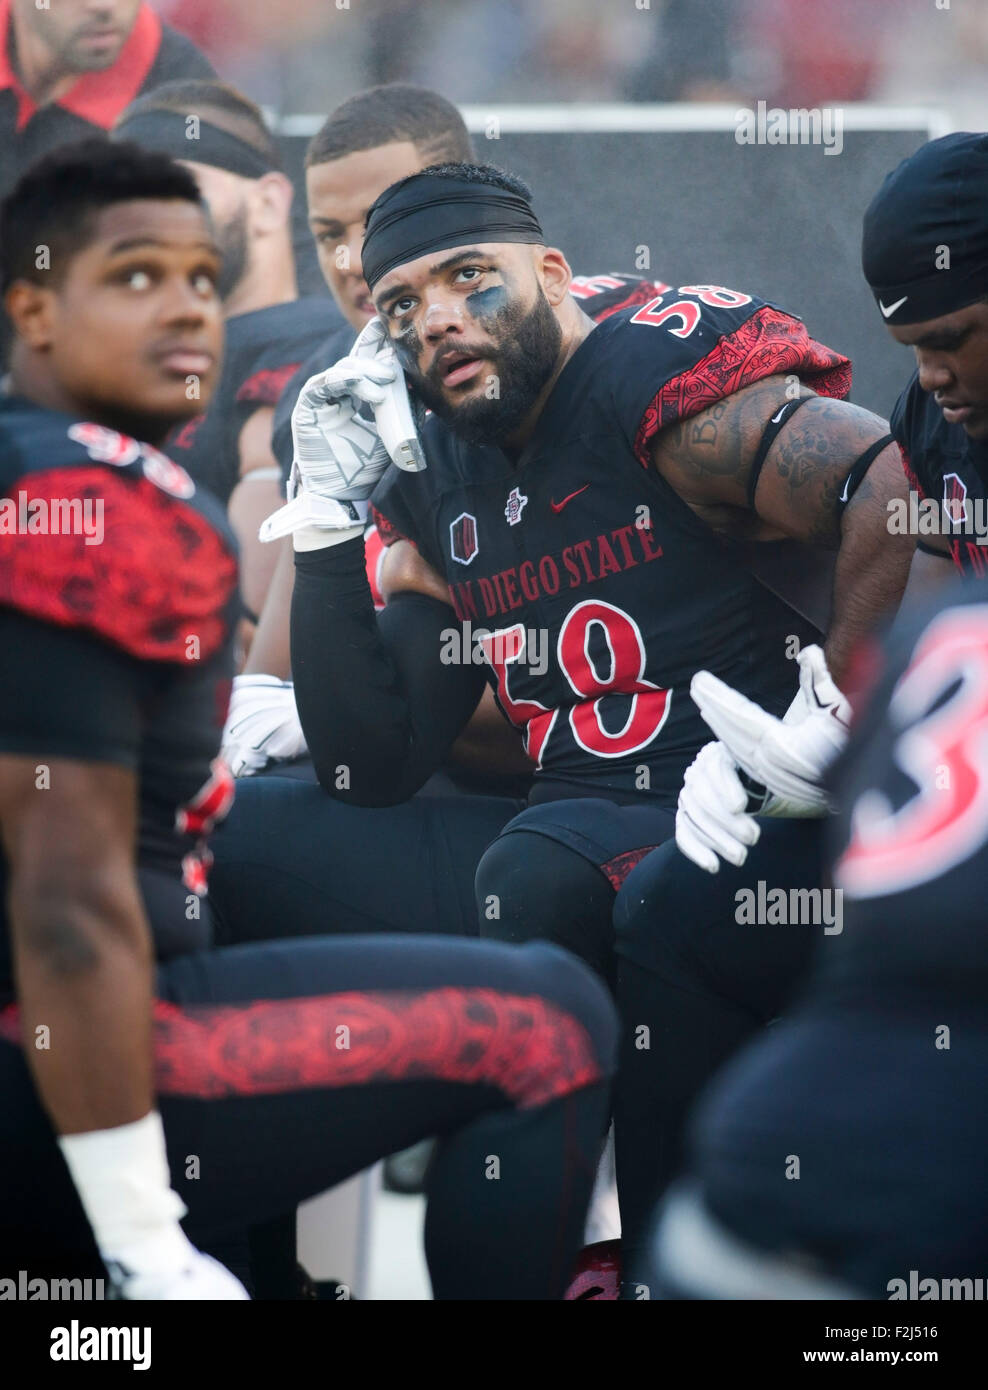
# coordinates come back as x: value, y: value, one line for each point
x: 263, y: 350
x: 602, y: 590
x: 117, y: 634
x: 946, y: 466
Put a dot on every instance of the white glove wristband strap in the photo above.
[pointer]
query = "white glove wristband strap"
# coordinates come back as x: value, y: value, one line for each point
x: 123, y: 1182
x: 308, y: 511
x: 315, y: 538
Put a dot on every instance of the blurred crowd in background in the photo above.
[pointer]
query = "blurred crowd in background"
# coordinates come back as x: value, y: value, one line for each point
x: 307, y: 55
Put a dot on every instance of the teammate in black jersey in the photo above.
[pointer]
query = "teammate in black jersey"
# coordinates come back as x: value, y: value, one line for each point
x: 645, y: 489
x: 117, y: 593
x: 617, y: 522
x: 843, y: 1155
x: 925, y: 257
x: 334, y: 852
x: 514, y: 544
x: 223, y: 139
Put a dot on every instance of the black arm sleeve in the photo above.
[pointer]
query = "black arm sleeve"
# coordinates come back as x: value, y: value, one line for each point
x: 378, y: 706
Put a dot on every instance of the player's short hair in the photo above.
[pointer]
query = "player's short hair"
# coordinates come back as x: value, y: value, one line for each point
x: 54, y: 204
x: 386, y: 115
x: 216, y: 102
x: 479, y: 173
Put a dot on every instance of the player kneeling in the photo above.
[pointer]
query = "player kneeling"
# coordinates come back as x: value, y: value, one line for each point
x: 127, y: 1046
x: 870, y: 1092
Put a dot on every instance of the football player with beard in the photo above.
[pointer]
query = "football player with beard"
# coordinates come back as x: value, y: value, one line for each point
x: 598, y: 521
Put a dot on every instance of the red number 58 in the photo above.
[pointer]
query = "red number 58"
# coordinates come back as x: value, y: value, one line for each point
x: 716, y: 296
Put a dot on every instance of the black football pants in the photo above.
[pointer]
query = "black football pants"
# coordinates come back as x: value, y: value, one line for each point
x: 582, y: 873
x: 694, y: 984
x: 284, y: 1068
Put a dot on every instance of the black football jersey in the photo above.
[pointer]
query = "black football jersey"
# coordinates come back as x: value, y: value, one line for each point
x: 945, y: 465
x: 597, y: 591
x: 106, y: 537
x: 263, y: 350
x: 910, y: 841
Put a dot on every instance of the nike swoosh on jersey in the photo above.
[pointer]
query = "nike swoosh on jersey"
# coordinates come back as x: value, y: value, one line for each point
x: 892, y: 307
x: 558, y: 506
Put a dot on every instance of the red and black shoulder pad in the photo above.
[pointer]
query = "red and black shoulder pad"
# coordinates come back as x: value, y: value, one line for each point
x: 113, y: 539
x: 766, y: 341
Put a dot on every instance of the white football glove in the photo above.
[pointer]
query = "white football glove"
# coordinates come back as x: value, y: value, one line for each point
x: 712, y: 819
x: 339, y: 453
x: 786, y: 756
x: 262, y: 725
x: 762, y: 766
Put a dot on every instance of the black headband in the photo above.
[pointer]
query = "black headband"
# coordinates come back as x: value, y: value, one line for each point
x: 425, y: 213
x: 925, y: 245
x: 171, y: 132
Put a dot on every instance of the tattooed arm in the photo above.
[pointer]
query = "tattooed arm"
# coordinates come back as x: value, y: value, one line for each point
x: 708, y: 461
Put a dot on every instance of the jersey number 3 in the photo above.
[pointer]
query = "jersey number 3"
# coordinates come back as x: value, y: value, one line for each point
x: 944, y: 750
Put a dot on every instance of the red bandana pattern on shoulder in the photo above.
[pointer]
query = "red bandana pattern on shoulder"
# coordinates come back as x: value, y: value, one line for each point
x: 159, y: 575
x: 769, y: 343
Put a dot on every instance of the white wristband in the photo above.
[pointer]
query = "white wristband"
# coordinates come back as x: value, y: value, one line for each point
x: 123, y: 1182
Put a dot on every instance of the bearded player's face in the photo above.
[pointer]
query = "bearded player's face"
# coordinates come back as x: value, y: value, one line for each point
x: 134, y: 327
x: 475, y: 334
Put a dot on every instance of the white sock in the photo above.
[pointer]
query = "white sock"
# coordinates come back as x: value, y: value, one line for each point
x: 123, y: 1182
